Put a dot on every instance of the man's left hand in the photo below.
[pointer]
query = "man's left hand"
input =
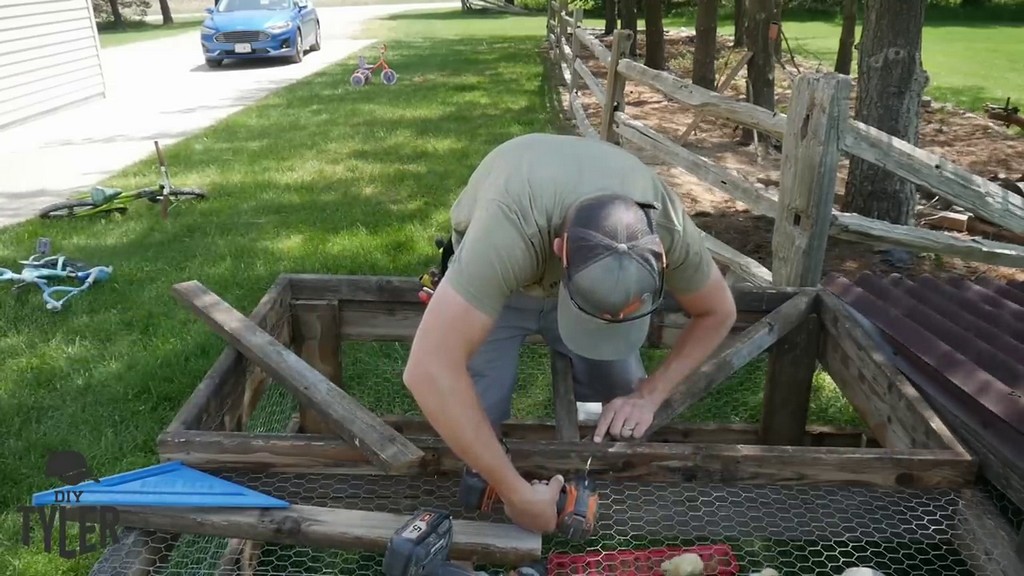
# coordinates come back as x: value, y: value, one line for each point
x: 626, y: 417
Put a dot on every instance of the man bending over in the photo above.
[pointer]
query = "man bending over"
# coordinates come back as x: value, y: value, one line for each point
x: 579, y: 241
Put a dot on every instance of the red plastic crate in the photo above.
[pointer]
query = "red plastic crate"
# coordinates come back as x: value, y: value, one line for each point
x: 641, y: 562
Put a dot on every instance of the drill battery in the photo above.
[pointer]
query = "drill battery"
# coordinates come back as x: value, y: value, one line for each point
x: 420, y: 546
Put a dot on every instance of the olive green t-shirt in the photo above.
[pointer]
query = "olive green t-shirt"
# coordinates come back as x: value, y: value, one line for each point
x: 505, y: 221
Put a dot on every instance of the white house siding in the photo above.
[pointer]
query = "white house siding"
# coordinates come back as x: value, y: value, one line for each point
x: 49, y: 57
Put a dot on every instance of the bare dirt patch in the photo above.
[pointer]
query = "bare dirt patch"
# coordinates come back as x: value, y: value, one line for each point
x: 969, y: 140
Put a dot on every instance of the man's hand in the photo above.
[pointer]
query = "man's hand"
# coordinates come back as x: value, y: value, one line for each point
x: 535, y: 507
x: 626, y: 416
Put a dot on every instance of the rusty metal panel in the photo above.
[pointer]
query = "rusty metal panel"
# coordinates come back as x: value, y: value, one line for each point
x: 964, y: 343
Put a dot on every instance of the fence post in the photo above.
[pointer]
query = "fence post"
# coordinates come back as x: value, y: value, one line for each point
x: 615, y: 86
x: 552, y: 21
x: 563, y: 8
x: 819, y: 108
x: 574, y: 76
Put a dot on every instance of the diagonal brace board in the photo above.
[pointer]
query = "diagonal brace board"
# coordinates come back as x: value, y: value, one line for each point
x: 343, y: 414
x: 338, y: 528
x: 751, y: 343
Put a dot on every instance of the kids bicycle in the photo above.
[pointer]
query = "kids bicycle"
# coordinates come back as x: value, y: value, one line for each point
x: 364, y: 72
x: 39, y: 269
x: 102, y: 200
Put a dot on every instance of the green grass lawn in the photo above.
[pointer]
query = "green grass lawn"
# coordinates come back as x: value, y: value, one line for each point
x: 139, y: 31
x: 970, y: 58
x: 316, y: 178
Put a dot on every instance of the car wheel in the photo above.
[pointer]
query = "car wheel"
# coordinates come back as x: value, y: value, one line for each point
x: 214, y: 63
x: 299, y: 48
x: 316, y: 43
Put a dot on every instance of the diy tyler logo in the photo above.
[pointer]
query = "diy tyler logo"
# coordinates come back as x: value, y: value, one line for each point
x: 100, y: 506
x: 65, y: 506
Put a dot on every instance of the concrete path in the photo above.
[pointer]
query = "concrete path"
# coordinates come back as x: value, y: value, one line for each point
x: 156, y: 90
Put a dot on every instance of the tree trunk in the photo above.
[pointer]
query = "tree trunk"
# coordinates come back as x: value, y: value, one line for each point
x: 629, y: 23
x: 115, y: 12
x: 761, y: 68
x: 844, y: 58
x: 739, y: 24
x: 654, y: 52
x: 165, y: 11
x: 890, y: 84
x: 707, y: 43
x: 610, y: 17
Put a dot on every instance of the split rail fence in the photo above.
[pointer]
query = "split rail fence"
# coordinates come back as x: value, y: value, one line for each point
x: 815, y: 133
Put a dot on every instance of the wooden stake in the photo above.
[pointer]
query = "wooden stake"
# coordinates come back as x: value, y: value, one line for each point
x: 316, y: 527
x: 341, y: 412
x: 577, y: 31
x: 566, y: 414
x: 751, y: 343
x: 615, y: 86
x: 316, y: 337
x: 722, y: 87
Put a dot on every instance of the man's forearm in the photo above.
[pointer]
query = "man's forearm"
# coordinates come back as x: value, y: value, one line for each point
x: 448, y: 401
x: 701, y: 336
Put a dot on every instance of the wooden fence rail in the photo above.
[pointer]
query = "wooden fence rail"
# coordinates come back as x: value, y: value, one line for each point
x: 817, y: 131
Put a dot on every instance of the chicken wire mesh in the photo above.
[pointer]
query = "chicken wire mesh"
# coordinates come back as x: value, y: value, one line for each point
x: 799, y: 530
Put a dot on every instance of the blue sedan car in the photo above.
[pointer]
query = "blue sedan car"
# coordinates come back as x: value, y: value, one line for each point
x: 241, y: 29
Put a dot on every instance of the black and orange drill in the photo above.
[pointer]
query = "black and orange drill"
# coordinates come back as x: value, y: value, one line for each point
x: 578, y: 501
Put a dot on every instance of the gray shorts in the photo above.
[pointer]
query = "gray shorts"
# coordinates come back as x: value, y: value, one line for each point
x: 495, y: 366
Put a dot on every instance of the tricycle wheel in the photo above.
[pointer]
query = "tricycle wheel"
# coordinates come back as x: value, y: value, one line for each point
x: 357, y: 79
x: 389, y: 77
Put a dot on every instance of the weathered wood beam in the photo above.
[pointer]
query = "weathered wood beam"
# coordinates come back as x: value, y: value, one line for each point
x: 580, y: 117
x: 316, y: 527
x: 317, y: 340
x: 893, y: 409
x: 705, y: 100
x: 593, y: 84
x: 728, y: 181
x: 346, y: 416
x: 691, y: 432
x: 615, y: 85
x: 810, y: 165
x: 947, y: 180
x: 220, y: 388
x: 402, y: 289
x: 644, y: 461
x: 789, y: 378
x: 723, y: 364
x: 567, y: 426
x: 744, y: 266
x: 603, y: 55
x: 882, y: 234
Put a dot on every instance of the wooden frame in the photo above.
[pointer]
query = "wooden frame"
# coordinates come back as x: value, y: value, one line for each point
x: 309, y: 314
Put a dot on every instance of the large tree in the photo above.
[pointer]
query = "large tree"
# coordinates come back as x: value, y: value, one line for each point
x: 761, y: 67
x: 890, y: 84
x: 611, y: 18
x: 654, y: 52
x: 628, y: 8
x: 844, y: 57
x: 706, y: 44
x: 739, y: 23
x: 165, y: 12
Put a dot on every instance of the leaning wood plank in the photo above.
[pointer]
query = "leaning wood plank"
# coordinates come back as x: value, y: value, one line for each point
x: 877, y: 233
x: 746, y: 267
x: 722, y: 87
x: 567, y: 425
x: 313, y: 526
x: 894, y: 410
x: 580, y: 116
x: 720, y: 366
x: 214, y: 392
x: 589, y: 79
x: 810, y: 164
x: 337, y: 409
x: 641, y: 461
x: 947, y: 180
x: 728, y: 181
x: 603, y: 55
x: 705, y: 100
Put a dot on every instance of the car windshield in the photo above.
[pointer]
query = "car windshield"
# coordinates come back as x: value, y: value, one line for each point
x: 239, y: 5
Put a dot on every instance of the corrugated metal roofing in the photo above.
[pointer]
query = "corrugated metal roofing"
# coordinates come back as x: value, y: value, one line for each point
x: 969, y: 335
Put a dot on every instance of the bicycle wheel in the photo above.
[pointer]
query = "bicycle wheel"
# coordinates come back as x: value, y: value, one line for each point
x: 176, y: 194
x: 73, y: 208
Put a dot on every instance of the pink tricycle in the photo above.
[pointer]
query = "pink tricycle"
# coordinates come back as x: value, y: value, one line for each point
x: 364, y: 73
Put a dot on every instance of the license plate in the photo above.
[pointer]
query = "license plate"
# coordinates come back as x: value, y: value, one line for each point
x: 243, y: 48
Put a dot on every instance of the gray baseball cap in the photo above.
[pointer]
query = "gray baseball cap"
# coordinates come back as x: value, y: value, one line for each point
x: 613, y: 276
